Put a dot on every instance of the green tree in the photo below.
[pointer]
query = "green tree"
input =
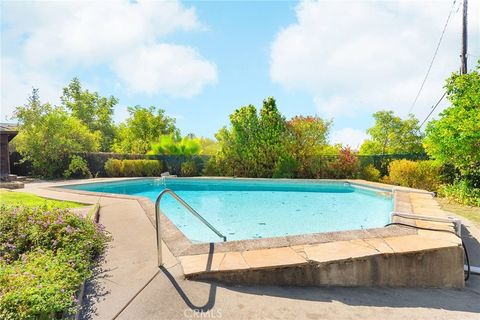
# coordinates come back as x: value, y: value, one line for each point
x: 94, y: 111
x: 142, y: 127
x: 254, y: 143
x: 392, y: 135
x: 48, y: 135
x: 309, y: 140
x: 208, y: 146
x: 168, y: 145
x: 455, y: 137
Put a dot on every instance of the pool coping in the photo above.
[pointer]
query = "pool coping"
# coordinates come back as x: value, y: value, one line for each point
x: 180, y: 245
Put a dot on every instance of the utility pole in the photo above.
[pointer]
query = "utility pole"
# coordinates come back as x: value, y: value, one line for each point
x: 463, y: 56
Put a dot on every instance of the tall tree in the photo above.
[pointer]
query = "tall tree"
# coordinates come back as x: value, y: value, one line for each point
x: 309, y: 140
x: 48, y: 135
x: 392, y: 135
x: 455, y: 137
x: 141, y: 128
x: 94, y: 111
x: 254, y: 143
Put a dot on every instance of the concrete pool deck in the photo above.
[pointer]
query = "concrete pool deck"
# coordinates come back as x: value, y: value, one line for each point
x: 130, y: 265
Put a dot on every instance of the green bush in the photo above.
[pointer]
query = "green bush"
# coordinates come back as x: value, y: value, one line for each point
x: 188, y: 169
x: 211, y: 168
x: 113, y: 168
x: 461, y: 192
x: 369, y: 173
x: 133, y: 168
x: 415, y: 174
x: 78, y: 168
x: 45, y: 254
x: 286, y: 167
x: 345, y: 166
x: 42, y: 285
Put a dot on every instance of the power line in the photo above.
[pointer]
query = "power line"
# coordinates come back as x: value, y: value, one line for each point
x: 433, y: 59
x: 433, y: 109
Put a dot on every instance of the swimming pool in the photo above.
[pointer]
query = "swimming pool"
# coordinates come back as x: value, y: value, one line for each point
x: 251, y: 209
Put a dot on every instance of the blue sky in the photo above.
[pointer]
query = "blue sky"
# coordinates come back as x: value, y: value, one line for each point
x: 201, y: 60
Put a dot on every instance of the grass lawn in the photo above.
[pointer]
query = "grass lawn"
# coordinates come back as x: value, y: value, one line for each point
x: 29, y: 200
x: 471, y: 213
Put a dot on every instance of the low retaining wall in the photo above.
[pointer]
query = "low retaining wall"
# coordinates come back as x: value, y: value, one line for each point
x: 435, y: 268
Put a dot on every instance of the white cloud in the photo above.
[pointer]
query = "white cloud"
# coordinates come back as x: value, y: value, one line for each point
x: 171, y: 69
x: 92, y: 31
x: 55, y: 39
x: 358, y: 57
x: 349, y: 136
x: 17, y: 83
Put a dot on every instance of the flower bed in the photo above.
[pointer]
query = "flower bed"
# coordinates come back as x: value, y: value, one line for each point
x: 45, y: 255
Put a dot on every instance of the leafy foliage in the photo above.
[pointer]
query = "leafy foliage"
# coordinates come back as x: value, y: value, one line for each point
x: 144, y: 126
x: 78, y: 168
x: 309, y: 140
x: 369, y: 173
x: 133, y: 168
x: 286, y: 167
x: 415, y: 174
x: 45, y: 254
x: 455, y: 137
x: 48, y: 133
x: 345, y: 166
x: 208, y: 146
x: 254, y: 143
x: 168, y: 145
x: 392, y: 135
x: 94, y: 111
x: 461, y: 192
x: 188, y: 168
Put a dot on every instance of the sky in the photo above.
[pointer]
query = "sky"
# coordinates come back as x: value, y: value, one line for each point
x: 201, y: 60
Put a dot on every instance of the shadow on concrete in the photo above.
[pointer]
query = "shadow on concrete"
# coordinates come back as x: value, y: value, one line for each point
x: 94, y: 291
x: 211, y: 294
x: 212, y: 291
x: 466, y: 299
x: 473, y: 247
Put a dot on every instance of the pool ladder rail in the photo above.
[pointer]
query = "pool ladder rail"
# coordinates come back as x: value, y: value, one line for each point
x: 189, y: 208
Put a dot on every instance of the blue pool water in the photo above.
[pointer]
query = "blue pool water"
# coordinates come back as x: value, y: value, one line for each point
x: 249, y: 209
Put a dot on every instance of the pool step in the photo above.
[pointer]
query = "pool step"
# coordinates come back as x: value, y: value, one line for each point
x: 429, y: 259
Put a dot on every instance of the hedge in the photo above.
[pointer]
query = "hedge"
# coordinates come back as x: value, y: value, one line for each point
x: 173, y: 164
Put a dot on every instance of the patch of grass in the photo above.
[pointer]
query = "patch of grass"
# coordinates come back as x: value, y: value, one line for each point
x: 469, y: 212
x: 23, y: 199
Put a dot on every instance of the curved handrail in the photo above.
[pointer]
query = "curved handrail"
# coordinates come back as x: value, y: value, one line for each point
x: 192, y: 211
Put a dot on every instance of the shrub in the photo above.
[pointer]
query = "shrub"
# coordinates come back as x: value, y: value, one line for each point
x: 189, y: 168
x: 345, y: 166
x: 369, y: 173
x: 142, y: 168
x: 78, y: 168
x: 133, y: 168
x: 461, y: 192
x: 415, y: 174
x: 211, y: 167
x: 113, y: 168
x: 42, y: 285
x: 45, y: 254
x: 286, y: 167
x: 25, y: 229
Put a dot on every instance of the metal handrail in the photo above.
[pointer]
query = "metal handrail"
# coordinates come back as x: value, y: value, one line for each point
x: 192, y: 211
